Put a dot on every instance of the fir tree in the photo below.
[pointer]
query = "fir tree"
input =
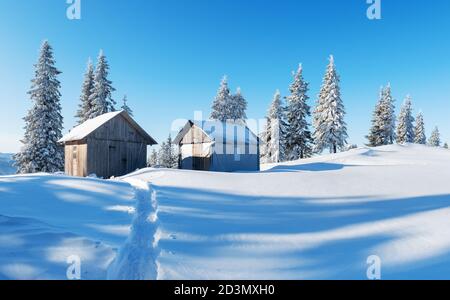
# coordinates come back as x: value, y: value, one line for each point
x: 376, y: 136
x: 435, y: 138
x: 330, y: 127
x: 125, y: 106
x: 388, y: 116
x: 419, y: 131
x: 405, y: 128
x: 153, y: 161
x: 238, y: 107
x: 101, y: 94
x: 273, y: 137
x: 41, y: 151
x: 446, y: 146
x: 168, y: 157
x: 221, y: 108
x: 298, y: 135
x: 85, y: 106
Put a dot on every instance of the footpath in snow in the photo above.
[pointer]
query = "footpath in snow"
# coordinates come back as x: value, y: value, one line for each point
x: 136, y: 259
x: 318, y: 218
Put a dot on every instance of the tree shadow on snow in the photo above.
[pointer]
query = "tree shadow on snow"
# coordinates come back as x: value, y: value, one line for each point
x: 304, y: 237
x: 312, y: 167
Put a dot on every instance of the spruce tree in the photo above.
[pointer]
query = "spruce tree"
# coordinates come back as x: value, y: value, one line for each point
x: 168, y: 157
x: 153, y: 161
x: 84, y: 108
x: 405, y: 128
x: 238, y: 107
x: 43, y: 123
x: 125, y: 106
x: 446, y: 146
x: 376, y: 136
x: 388, y: 116
x: 298, y: 134
x: 101, y: 94
x: 221, y: 108
x: 330, y: 127
x: 274, y: 135
x: 419, y: 131
x: 435, y: 138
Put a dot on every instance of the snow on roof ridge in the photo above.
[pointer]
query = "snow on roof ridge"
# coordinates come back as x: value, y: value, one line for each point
x: 83, y: 130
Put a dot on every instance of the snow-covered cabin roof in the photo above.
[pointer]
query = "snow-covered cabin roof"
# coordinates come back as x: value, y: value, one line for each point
x: 221, y: 132
x: 83, y: 130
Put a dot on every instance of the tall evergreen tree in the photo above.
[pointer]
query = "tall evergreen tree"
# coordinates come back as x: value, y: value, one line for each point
x: 168, y: 157
x: 274, y: 135
x: 41, y: 151
x: 435, y: 138
x: 405, y: 128
x: 85, y: 106
x: 238, y: 107
x: 330, y: 127
x: 419, y: 131
x: 153, y: 161
x: 125, y: 106
x: 298, y: 135
x: 388, y: 116
x: 221, y: 108
x: 376, y: 135
x: 101, y: 94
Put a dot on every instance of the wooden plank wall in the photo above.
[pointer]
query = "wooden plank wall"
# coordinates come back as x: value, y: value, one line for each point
x: 76, y: 160
x: 116, y: 149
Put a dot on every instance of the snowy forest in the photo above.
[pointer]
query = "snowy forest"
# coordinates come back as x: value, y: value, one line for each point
x: 294, y: 129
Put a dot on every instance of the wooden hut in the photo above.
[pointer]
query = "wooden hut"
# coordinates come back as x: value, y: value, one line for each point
x: 218, y: 146
x: 112, y: 144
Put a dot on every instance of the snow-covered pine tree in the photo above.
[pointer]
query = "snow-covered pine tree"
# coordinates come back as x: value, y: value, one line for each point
x: 435, y: 138
x: 445, y: 145
x: 330, y: 127
x: 388, y: 116
x: 41, y: 151
x: 405, y: 128
x: 298, y: 135
x: 273, y: 137
x: 85, y: 106
x: 376, y: 135
x: 153, y: 159
x: 101, y: 96
x: 221, y: 107
x: 125, y: 106
x: 419, y: 131
x: 168, y: 157
x: 238, y: 107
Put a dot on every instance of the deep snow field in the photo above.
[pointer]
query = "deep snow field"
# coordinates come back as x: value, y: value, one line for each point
x: 6, y: 164
x: 319, y: 218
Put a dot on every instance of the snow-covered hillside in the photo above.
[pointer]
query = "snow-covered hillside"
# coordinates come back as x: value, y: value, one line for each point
x: 6, y: 164
x: 316, y: 219
x: 46, y: 219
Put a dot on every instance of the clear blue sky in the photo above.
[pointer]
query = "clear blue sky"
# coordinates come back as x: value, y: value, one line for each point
x: 168, y: 56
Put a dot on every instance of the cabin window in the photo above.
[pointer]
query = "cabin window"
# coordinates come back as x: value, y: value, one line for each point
x: 74, y: 152
x: 74, y: 160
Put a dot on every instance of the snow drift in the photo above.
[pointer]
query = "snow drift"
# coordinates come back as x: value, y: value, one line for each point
x: 319, y: 218
x: 6, y: 164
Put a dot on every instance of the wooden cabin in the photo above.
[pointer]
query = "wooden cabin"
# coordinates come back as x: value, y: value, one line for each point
x: 112, y: 144
x: 218, y: 146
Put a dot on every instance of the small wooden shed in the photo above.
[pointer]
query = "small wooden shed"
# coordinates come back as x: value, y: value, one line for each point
x: 218, y: 146
x: 112, y: 144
